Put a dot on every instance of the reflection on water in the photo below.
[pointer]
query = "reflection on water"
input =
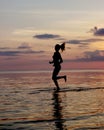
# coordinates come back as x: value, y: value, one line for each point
x: 59, y: 122
x: 28, y: 101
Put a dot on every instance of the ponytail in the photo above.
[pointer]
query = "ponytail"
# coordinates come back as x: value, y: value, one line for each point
x: 62, y: 46
x: 58, y: 47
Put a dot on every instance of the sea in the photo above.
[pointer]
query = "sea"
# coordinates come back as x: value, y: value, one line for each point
x: 29, y: 101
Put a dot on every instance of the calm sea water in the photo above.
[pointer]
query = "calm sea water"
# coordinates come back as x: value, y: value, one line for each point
x: 28, y: 101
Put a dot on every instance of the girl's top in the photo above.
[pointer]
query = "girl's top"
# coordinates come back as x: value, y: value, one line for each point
x: 57, y: 59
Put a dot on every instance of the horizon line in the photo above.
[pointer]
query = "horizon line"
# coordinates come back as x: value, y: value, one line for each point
x: 36, y: 71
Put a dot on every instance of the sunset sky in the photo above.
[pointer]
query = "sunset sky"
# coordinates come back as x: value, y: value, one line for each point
x: 29, y: 29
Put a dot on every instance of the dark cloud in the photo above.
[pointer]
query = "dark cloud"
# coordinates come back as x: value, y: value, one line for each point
x: 97, y: 31
x: 23, y: 49
x: 17, y: 53
x: 89, y: 56
x: 84, y: 41
x: 97, y: 55
x: 9, y: 53
x: 46, y: 36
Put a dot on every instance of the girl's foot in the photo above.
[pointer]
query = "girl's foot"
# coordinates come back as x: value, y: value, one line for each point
x: 57, y: 89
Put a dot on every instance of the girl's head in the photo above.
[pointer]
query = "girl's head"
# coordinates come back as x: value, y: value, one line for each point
x: 58, y: 47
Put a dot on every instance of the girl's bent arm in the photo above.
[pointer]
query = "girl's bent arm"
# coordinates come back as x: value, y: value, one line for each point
x: 51, y: 62
x: 61, y: 60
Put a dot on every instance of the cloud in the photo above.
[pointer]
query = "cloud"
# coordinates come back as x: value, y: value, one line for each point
x: 23, y: 49
x: 9, y: 53
x: 32, y: 52
x: 97, y: 55
x: 4, y: 48
x: 84, y: 41
x: 89, y: 56
x: 74, y: 41
x: 24, y: 46
x: 47, y: 36
x: 19, y: 52
x: 97, y: 31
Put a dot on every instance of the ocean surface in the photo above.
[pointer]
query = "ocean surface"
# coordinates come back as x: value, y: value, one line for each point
x: 28, y: 100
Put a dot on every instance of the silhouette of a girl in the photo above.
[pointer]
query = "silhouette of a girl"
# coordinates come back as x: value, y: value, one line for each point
x: 57, y: 60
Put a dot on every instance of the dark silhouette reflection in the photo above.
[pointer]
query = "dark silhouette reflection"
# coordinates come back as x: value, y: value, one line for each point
x: 59, y: 121
x: 57, y: 60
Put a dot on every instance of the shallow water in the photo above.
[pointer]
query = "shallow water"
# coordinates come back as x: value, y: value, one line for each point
x: 28, y: 101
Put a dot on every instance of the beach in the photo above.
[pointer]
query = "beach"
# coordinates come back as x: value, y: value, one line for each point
x: 28, y: 100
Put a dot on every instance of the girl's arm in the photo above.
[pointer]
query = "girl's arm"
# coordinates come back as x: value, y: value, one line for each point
x: 61, y: 60
x: 51, y: 62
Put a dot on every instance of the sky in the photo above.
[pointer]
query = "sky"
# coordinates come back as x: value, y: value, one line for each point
x: 29, y: 30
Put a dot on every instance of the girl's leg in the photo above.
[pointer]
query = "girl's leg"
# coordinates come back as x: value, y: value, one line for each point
x: 56, y: 83
x: 56, y: 71
x: 54, y: 76
x: 62, y: 77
